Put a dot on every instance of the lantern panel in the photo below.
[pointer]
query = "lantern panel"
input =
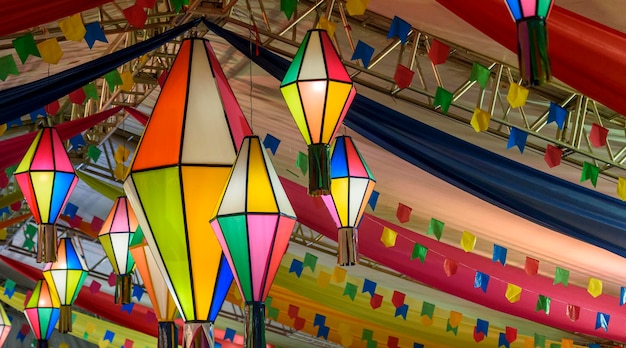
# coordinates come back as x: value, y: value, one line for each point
x: 48, y: 318
x: 313, y: 65
x: 313, y: 95
x: 32, y: 316
x: 238, y: 126
x: 221, y: 288
x: 543, y: 8
x: 44, y: 158
x: 233, y: 200
x: 236, y: 238
x: 163, y: 210
x: 153, y: 150
x: 43, y: 182
x: 515, y: 8
x: 332, y: 208
x: 283, y: 234
x: 335, y: 68
x: 291, y: 94
x: 262, y: 239
x: 529, y: 7
x: 336, y: 103
x: 360, y: 188
x: 357, y: 165
x: 27, y: 160
x: 294, y: 69
x: 340, y: 193
x: 64, y: 184
x: 24, y: 182
x: 204, y: 249
x: 260, y: 190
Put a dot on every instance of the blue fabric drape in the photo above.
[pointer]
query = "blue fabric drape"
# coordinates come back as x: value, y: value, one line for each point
x: 21, y: 100
x: 534, y: 195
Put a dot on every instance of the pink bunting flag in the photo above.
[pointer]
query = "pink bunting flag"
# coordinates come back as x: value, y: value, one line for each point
x: 128, y: 343
x: 96, y: 224
x: 531, y: 266
x: 112, y: 278
x: 94, y: 287
x: 151, y: 317
x: 403, y: 213
x: 598, y: 135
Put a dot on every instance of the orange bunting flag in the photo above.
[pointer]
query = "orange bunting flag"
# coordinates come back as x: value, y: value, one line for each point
x: 50, y: 51
x: 480, y: 120
x: 73, y: 28
x: 621, y: 188
x: 567, y: 343
x: 595, y: 287
x: 513, y: 293
x: 327, y: 25
x: 388, y: 237
x: 3, y: 128
x: 517, y: 95
x: 127, y: 81
x: 529, y: 343
x: 468, y: 241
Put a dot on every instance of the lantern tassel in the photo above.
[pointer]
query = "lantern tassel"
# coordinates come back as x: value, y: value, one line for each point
x: 319, y: 170
x: 532, y: 50
x: 47, y: 243
x: 65, y: 319
x: 254, y: 325
x: 347, y: 247
x: 168, y: 335
x: 198, y: 334
x: 42, y: 343
x: 123, y: 292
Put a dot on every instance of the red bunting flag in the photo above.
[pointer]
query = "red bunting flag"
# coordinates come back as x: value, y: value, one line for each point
x: 511, y: 334
x: 403, y: 76
x: 298, y: 323
x: 438, y: 52
x: 78, y: 96
x: 52, y: 108
x: 450, y: 267
x: 293, y: 311
x: 136, y: 16
x: 403, y: 213
x: 398, y: 298
x: 376, y: 301
x: 573, y: 312
x: 598, y: 135
x: 531, y: 266
x: 553, y: 156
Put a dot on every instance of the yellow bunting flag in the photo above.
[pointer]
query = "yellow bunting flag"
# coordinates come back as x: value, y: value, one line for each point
x: 63, y: 345
x: 339, y: 275
x: 388, y: 237
x: 567, y: 343
x: 120, y: 171
x: 529, y: 343
x: 90, y: 328
x: 621, y: 184
x: 50, y: 51
x: 455, y: 318
x: 426, y: 321
x: 328, y: 26
x: 3, y: 234
x: 480, y: 120
x: 127, y: 81
x: 346, y: 334
x: 73, y: 28
x: 121, y: 154
x: 323, y: 279
x: 357, y: 7
x: 468, y: 241
x: 513, y: 293
x: 102, y: 344
x: 3, y: 128
x: 517, y: 95
x: 595, y: 287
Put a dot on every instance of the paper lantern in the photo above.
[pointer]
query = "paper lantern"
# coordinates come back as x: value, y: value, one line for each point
x: 253, y: 223
x: 318, y: 92
x: 42, y: 313
x: 532, y: 38
x: 115, y: 237
x: 65, y: 278
x: 352, y: 184
x: 154, y: 283
x: 5, y: 325
x: 176, y: 178
x: 46, y: 177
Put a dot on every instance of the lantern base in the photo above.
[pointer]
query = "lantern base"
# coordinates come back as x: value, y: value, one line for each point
x: 123, y: 292
x: 347, y: 246
x: 254, y: 325
x: 42, y: 343
x: 198, y: 334
x: 319, y: 170
x: 532, y: 50
x: 47, y: 243
x: 168, y: 335
x: 65, y: 319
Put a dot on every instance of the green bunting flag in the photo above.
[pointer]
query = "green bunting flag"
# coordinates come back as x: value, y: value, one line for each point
x: 367, y: 335
x: 113, y: 79
x: 26, y: 46
x: 443, y: 99
x: 428, y: 309
x: 543, y: 304
x: 310, y: 261
x: 454, y: 329
x: 93, y: 152
x: 540, y: 341
x: 30, y: 231
x: 29, y: 244
x: 419, y: 251
x: 561, y: 276
x: 91, y: 92
x: 272, y: 313
x: 302, y: 162
x: 435, y: 227
x: 178, y: 4
x: 288, y: 7
x: 480, y: 74
x: 10, y: 170
x: 590, y: 172
x: 8, y: 67
x: 350, y: 290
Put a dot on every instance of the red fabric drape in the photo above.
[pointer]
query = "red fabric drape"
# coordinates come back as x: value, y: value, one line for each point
x: 138, y: 115
x: 312, y: 213
x: 24, y: 14
x: 584, y: 54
